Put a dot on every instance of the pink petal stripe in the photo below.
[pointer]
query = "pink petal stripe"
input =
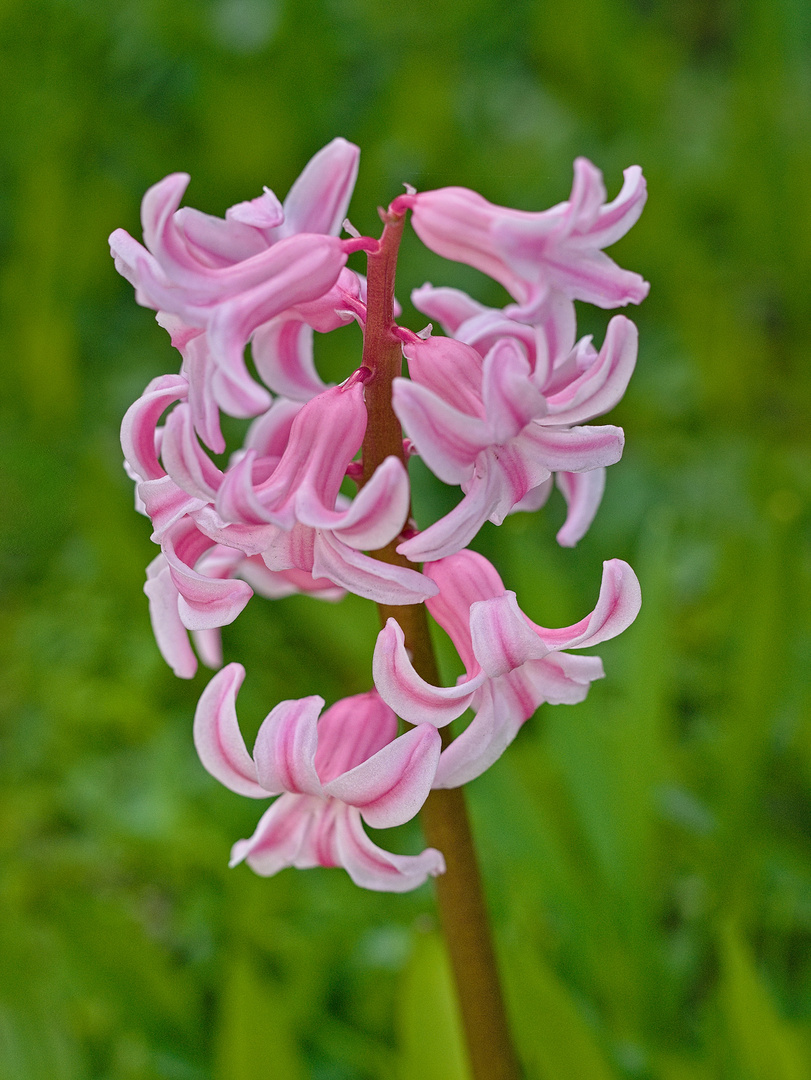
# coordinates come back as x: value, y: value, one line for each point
x: 510, y: 396
x: 285, y: 747
x: 140, y: 421
x: 602, y: 385
x: 282, y: 350
x: 217, y: 736
x: 279, y: 837
x: 390, y: 787
x: 446, y: 439
x: 408, y: 693
x: 171, y: 635
x: 372, y: 868
x: 583, y: 493
x: 365, y: 576
x: 449, y: 307
x: 502, y: 640
x: 617, y: 606
x: 351, y: 731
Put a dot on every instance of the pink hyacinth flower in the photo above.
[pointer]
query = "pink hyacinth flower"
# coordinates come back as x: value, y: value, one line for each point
x: 230, y: 276
x: 329, y: 774
x: 500, y: 429
x: 170, y: 622
x: 280, y: 498
x: 567, y: 374
x: 534, y: 254
x: 512, y: 665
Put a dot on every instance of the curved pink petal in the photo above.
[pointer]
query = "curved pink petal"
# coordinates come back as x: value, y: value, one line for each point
x: 372, y: 868
x: 171, y: 635
x: 280, y: 836
x: 390, y: 787
x: 583, y: 493
x: 575, y: 449
x: 263, y: 212
x: 501, y: 638
x: 450, y: 307
x: 237, y: 501
x: 141, y: 419
x: 491, y: 326
x: 616, y: 218
x: 203, y: 602
x: 510, y: 396
x: 338, y: 306
x: 216, y: 241
x: 457, y: 223
x: 185, y: 460
x: 282, y: 350
x: 324, y: 438
x: 376, y: 514
x: 304, y: 267
x: 488, y: 490
x: 462, y: 580
x: 562, y: 678
x: 269, y: 434
x: 538, y: 496
x: 447, y: 440
x: 352, y: 730
x: 365, y: 576
x: 451, y: 369
x: 319, y: 199
x: 484, y: 740
x: 165, y: 503
x: 218, y: 739
x: 276, y: 584
x: 208, y: 644
x: 411, y: 697
x: 617, y: 606
x: 285, y: 748
x: 602, y: 385
x: 373, y: 518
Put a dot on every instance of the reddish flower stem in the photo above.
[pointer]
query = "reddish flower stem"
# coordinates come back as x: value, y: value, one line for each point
x: 460, y: 896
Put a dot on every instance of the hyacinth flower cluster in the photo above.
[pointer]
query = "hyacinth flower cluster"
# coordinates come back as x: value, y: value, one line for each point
x: 498, y: 403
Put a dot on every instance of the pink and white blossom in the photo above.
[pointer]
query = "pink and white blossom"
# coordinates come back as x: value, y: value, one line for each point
x: 330, y: 775
x: 534, y: 254
x: 499, y: 427
x: 216, y: 281
x: 512, y: 665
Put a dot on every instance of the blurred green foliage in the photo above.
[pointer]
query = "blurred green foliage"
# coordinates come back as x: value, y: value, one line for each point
x: 646, y: 853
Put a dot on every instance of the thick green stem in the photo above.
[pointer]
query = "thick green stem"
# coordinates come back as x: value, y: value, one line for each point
x: 445, y: 822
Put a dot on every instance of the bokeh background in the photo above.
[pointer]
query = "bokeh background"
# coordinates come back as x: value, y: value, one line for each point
x: 646, y: 854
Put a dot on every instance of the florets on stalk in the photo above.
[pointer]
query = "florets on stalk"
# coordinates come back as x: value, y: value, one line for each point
x: 498, y: 406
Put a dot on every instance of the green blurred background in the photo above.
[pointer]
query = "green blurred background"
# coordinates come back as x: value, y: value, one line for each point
x: 647, y: 853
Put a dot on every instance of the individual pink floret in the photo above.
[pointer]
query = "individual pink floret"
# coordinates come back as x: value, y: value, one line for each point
x: 512, y: 665
x: 330, y: 773
x: 215, y: 281
x: 534, y: 254
x: 499, y: 427
x: 168, y: 592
